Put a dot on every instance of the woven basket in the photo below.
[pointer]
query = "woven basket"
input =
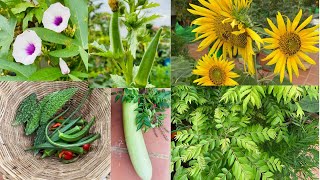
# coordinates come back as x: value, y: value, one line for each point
x: 15, y: 163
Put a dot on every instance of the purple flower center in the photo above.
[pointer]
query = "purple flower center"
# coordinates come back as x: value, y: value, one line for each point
x: 58, y: 20
x: 30, y: 49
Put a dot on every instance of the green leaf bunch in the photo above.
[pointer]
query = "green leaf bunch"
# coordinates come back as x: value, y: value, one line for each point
x: 244, y: 132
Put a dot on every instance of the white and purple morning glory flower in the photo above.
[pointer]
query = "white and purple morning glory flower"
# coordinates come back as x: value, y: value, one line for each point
x: 56, y: 17
x: 26, y: 47
x: 63, y: 66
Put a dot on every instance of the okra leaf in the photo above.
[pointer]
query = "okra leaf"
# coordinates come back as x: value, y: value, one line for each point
x: 51, y: 36
x: 46, y: 74
x: 22, y: 70
x: 79, y: 17
x: 69, y: 51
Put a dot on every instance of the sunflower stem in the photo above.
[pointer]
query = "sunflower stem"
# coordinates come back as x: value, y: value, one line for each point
x: 256, y: 68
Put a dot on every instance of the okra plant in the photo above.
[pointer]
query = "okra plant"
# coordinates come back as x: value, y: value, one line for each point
x: 122, y: 52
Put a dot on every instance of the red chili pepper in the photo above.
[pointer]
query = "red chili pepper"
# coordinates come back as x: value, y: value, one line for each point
x: 56, y: 125
x: 86, y: 147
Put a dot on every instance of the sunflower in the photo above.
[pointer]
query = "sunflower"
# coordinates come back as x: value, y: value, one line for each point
x: 215, y: 72
x: 290, y: 43
x: 224, y: 25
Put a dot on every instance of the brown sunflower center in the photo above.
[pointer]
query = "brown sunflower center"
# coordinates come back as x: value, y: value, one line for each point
x: 290, y: 43
x: 239, y: 40
x: 223, y: 30
x: 217, y: 76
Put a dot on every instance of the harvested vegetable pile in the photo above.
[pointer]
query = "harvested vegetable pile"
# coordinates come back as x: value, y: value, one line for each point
x: 67, y: 138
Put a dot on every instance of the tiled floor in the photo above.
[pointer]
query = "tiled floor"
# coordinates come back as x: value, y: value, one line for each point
x: 308, y: 77
x: 158, y: 148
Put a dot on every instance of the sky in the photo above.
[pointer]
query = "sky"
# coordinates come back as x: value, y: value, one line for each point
x: 164, y: 10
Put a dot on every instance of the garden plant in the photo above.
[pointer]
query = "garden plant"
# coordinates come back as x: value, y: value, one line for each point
x: 137, y: 59
x: 43, y: 40
x: 237, y: 32
x: 245, y: 132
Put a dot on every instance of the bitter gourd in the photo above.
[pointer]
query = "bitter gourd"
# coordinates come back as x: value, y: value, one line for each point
x: 40, y: 137
x: 34, y: 122
x: 25, y: 109
x: 55, y: 103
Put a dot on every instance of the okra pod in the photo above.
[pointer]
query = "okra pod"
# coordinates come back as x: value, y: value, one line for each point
x: 114, y: 29
x: 76, y: 136
x: 141, y: 79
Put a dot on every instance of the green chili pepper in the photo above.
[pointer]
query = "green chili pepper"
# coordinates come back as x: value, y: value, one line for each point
x: 75, y: 149
x: 74, y: 130
x: 65, y: 145
x: 79, y: 122
x: 48, y: 152
x: 85, y: 138
x: 55, y: 135
x: 76, y: 136
x: 142, y: 77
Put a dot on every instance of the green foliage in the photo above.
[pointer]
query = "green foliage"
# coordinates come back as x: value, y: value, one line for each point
x: 243, y: 132
x: 17, y: 16
x: 106, y: 68
x: 182, y: 67
x: 151, y: 105
x: 160, y: 76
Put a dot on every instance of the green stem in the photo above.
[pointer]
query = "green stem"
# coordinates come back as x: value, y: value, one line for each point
x: 129, y: 66
x: 256, y: 68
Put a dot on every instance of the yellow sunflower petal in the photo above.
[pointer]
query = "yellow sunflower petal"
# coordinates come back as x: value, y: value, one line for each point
x: 272, y: 33
x: 289, y: 68
x: 271, y: 55
x: 273, y: 27
x: 304, y: 24
x: 296, y: 20
x: 282, y: 71
x: 289, y: 25
x: 306, y: 58
x: 294, y: 66
x: 296, y: 58
x: 281, y: 25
